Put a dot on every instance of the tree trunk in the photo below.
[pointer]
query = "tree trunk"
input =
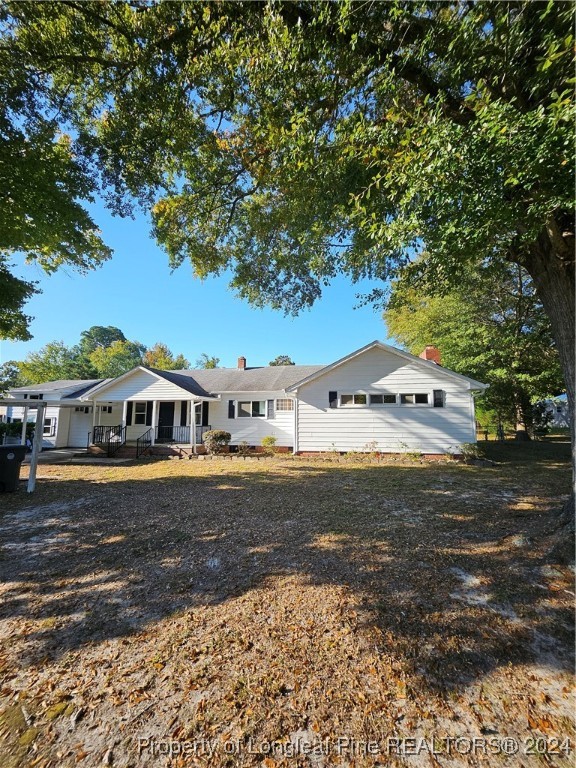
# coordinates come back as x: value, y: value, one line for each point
x: 550, y: 262
x: 521, y: 422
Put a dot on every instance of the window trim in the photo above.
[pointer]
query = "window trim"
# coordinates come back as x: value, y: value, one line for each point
x: 136, y: 413
x: 353, y: 404
x: 382, y: 395
x: 51, y: 426
x: 251, y: 415
x: 427, y: 404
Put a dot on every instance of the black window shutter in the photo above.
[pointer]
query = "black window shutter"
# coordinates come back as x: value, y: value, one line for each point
x: 231, y: 409
x: 270, y: 409
x: 129, y: 414
x: 333, y: 399
x: 183, y: 412
x: 149, y: 406
x: 205, y: 411
x: 438, y: 398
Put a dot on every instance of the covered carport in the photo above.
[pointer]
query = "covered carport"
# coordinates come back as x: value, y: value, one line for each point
x: 40, y: 407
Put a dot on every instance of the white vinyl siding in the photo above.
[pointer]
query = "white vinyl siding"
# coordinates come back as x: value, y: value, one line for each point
x: 142, y: 385
x: 61, y: 420
x: 253, y: 429
x: 394, y: 428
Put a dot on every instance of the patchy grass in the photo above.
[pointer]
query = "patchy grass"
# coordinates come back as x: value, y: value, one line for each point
x: 254, y: 608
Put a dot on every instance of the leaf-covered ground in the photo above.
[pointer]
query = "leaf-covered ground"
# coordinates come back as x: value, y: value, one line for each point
x: 287, y: 612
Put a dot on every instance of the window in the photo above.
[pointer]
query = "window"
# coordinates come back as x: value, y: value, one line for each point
x: 252, y: 408
x: 36, y: 397
x: 382, y: 399
x: 49, y: 427
x: 139, y: 413
x: 420, y: 398
x: 353, y: 399
x: 105, y: 408
x: 82, y: 409
x: 438, y: 398
x: 284, y: 404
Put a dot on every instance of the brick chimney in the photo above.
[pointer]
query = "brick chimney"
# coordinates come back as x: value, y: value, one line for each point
x: 431, y: 353
x: 241, y: 363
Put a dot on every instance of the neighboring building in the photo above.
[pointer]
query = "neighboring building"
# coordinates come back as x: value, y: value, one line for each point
x: 557, y: 407
x: 377, y: 398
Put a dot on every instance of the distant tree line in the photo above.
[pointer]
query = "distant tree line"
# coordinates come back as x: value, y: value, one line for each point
x: 102, y: 352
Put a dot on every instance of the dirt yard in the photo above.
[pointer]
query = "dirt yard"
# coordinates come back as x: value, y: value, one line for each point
x: 287, y: 612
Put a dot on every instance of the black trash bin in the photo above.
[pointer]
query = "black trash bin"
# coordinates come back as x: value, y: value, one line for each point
x: 11, y: 457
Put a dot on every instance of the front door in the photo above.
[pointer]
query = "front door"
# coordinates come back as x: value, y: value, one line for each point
x: 165, y: 422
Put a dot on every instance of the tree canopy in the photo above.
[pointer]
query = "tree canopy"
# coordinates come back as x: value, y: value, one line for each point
x: 117, y: 358
x: 44, y: 182
x: 207, y: 361
x: 491, y: 327
x: 291, y: 141
x: 282, y: 360
x: 52, y: 362
x: 159, y: 356
x: 102, y: 352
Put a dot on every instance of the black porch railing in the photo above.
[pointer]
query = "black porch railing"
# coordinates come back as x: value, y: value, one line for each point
x: 143, y: 443
x: 177, y: 434
x: 101, y: 435
x: 116, y: 441
x: 112, y: 438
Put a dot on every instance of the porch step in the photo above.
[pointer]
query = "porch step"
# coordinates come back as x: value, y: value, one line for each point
x: 95, y: 450
x: 167, y: 450
x: 126, y: 452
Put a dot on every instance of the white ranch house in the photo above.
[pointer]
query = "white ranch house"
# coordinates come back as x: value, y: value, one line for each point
x: 376, y: 398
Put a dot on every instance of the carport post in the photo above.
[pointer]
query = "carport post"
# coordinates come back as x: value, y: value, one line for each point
x: 193, y: 426
x: 24, y: 423
x: 36, y: 445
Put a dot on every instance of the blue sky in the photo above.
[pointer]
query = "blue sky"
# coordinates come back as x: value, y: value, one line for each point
x: 136, y: 292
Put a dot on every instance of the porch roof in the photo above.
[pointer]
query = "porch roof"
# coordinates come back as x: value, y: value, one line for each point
x: 184, y: 383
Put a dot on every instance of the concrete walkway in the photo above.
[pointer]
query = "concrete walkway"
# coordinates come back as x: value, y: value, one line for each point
x: 73, y: 456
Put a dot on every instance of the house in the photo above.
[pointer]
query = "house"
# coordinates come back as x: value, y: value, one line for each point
x: 376, y: 398
x: 557, y: 411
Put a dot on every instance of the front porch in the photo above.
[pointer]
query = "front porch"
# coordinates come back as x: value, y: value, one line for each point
x: 110, y: 440
x: 144, y: 424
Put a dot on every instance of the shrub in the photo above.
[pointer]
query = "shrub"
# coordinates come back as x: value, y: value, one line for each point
x: 269, y: 442
x: 14, y: 429
x: 215, y: 440
x: 243, y: 448
x: 471, y: 451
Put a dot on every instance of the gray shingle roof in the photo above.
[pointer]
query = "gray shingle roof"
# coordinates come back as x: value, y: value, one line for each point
x: 200, y: 382
x: 187, y: 383
x: 72, y: 387
x: 265, y: 379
